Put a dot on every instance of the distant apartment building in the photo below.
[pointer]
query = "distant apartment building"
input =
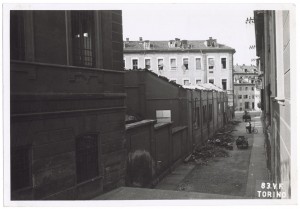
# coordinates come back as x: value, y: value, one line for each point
x: 246, y: 94
x: 186, y: 62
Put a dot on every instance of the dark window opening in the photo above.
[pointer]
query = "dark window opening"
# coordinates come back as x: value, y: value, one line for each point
x: 246, y: 105
x: 17, y: 36
x: 186, y: 82
x: 160, y: 64
x: 211, y: 63
x: 86, y: 157
x: 224, y: 84
x: 198, y: 82
x: 135, y: 64
x: 83, y: 36
x: 147, y: 64
x: 186, y: 63
x: 211, y: 81
x: 223, y: 61
x: 20, y: 168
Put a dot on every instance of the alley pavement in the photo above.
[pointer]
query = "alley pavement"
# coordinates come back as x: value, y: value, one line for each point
x: 235, y: 177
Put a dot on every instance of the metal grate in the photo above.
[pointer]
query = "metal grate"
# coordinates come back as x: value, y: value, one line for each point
x: 83, y: 35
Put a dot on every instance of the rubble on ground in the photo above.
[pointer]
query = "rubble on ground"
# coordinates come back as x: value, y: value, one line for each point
x: 217, y: 146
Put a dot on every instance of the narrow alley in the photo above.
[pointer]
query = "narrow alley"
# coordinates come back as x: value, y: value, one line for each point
x: 237, y: 176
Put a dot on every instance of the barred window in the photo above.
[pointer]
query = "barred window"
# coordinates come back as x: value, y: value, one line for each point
x: 86, y: 157
x: 83, y: 35
x: 20, y: 168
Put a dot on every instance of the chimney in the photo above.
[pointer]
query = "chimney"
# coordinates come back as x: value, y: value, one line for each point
x: 141, y: 38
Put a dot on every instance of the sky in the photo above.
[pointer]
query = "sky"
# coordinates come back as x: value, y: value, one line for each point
x: 226, y: 23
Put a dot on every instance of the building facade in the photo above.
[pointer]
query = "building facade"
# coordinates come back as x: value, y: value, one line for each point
x: 186, y: 62
x: 273, y: 47
x: 67, y: 104
x: 246, y: 93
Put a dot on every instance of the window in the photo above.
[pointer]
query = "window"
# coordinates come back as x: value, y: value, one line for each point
x: 246, y: 105
x: 17, y: 42
x: 83, y: 35
x: 186, y: 63
x: 245, y: 70
x: 211, y: 63
x: 20, y: 168
x: 252, y: 88
x: 224, y: 84
x: 223, y: 63
x: 246, y: 88
x: 198, y: 81
x: 241, y: 88
x: 240, y: 97
x: 241, y: 104
x: 245, y: 96
x: 86, y: 157
x: 198, y: 64
x: 135, y: 64
x: 173, y: 63
x: 252, y: 81
x: 124, y: 63
x: 186, y: 82
x: 163, y: 116
x: 173, y: 80
x: 160, y: 64
x: 252, y: 96
x: 147, y: 64
x: 211, y: 81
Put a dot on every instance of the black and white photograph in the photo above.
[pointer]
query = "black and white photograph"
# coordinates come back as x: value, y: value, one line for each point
x: 170, y: 103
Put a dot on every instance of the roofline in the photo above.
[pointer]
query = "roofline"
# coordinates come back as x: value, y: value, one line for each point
x: 178, y: 50
x: 240, y: 84
x: 245, y: 73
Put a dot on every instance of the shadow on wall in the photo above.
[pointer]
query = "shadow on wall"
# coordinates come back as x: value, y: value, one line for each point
x: 140, y: 169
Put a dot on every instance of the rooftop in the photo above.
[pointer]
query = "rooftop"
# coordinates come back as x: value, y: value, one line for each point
x: 175, y: 45
x: 245, y: 69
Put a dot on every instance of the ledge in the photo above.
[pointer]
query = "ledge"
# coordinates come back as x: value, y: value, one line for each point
x: 60, y: 96
x: 139, y: 124
x: 161, y: 125
x: 178, y: 128
x: 43, y: 114
x: 65, y: 66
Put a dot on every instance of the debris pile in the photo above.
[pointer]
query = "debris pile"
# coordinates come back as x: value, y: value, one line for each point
x: 217, y: 146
